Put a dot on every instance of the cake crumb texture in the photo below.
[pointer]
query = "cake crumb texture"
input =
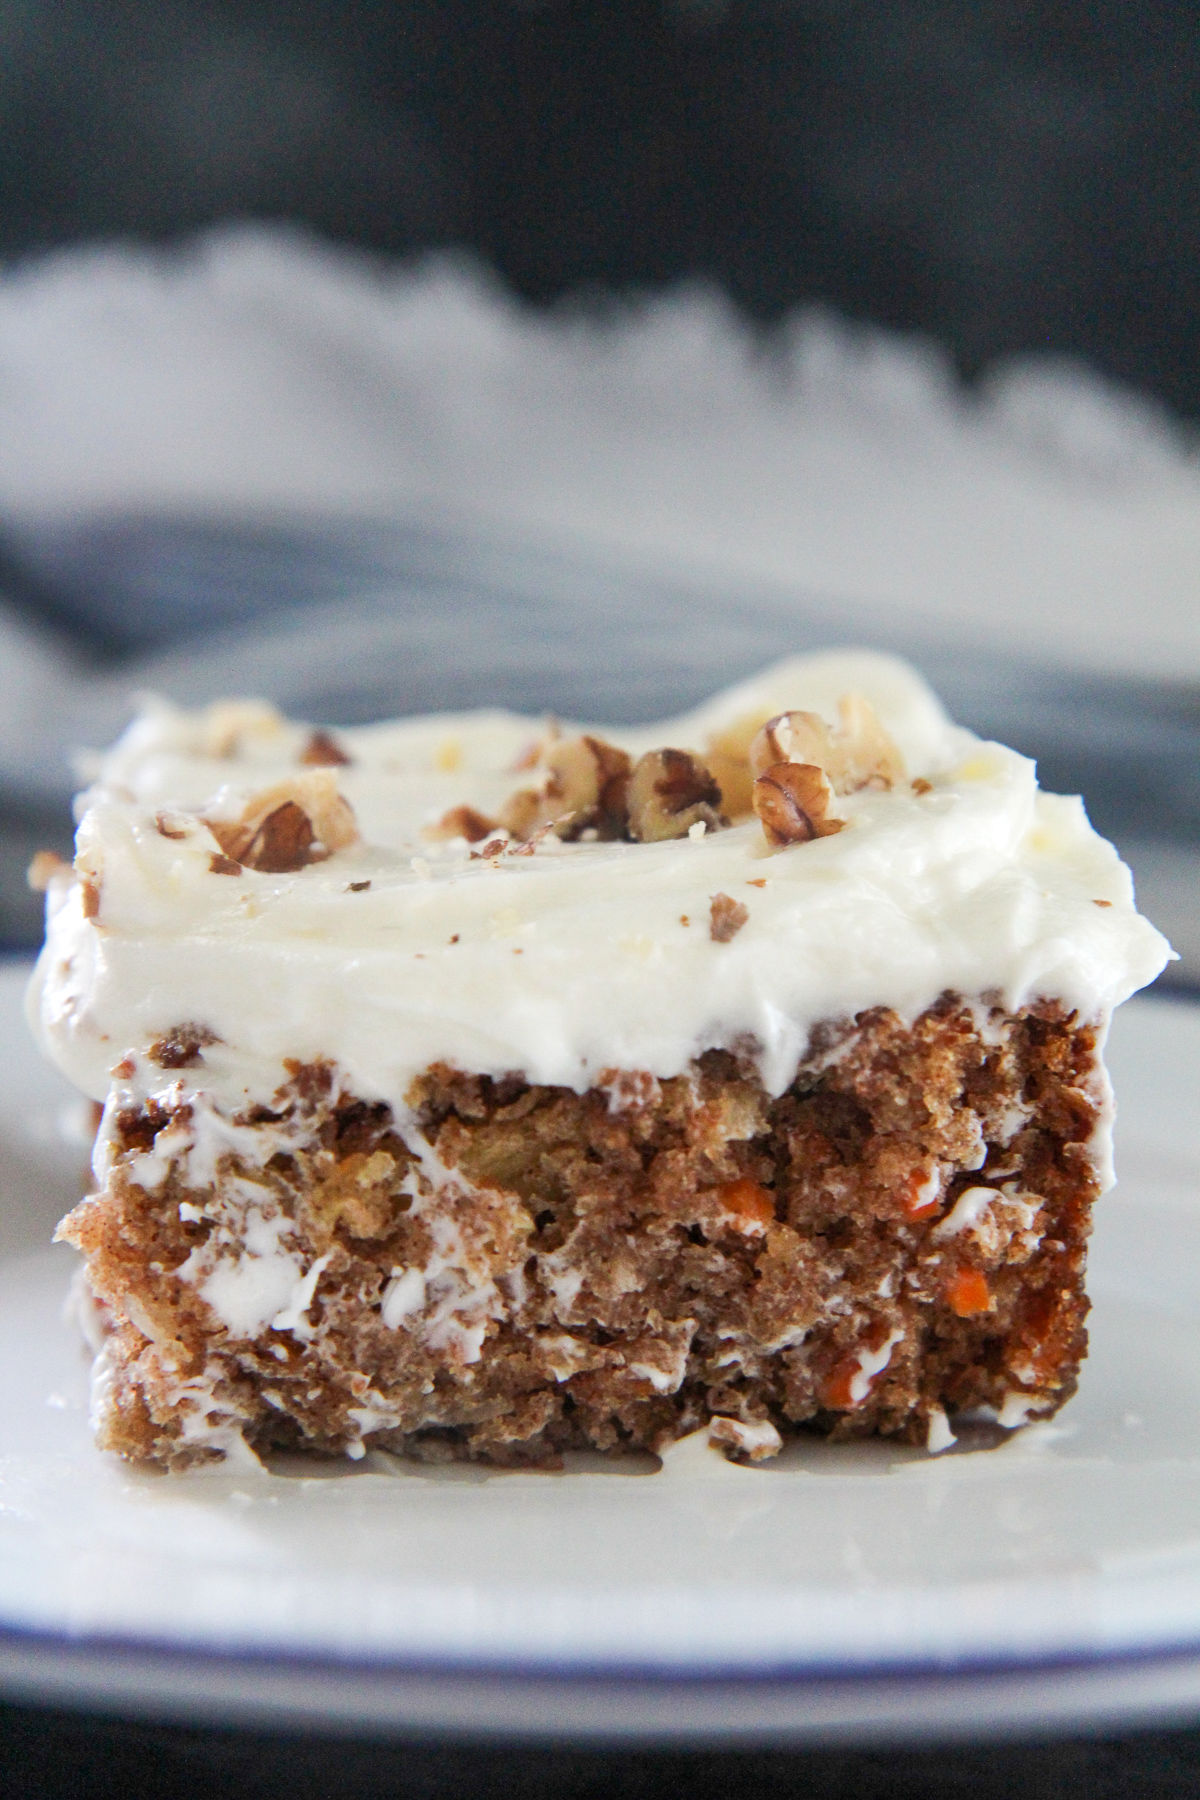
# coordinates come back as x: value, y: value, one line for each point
x: 511, y: 1270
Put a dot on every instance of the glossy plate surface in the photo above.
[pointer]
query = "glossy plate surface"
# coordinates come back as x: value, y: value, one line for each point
x: 1052, y: 1578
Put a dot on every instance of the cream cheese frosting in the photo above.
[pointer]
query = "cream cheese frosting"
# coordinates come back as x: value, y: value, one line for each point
x: 403, y: 949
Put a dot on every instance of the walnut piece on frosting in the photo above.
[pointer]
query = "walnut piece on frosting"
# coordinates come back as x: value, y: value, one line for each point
x: 286, y: 827
x: 728, y: 756
x: 726, y: 916
x: 799, y: 763
x: 463, y: 822
x: 792, y: 803
x: 584, y: 790
x: 670, y: 791
x: 855, y: 753
x: 231, y: 728
x: 323, y: 751
x: 785, y: 769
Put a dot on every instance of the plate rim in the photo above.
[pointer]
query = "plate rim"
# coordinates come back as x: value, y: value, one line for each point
x: 347, y: 1695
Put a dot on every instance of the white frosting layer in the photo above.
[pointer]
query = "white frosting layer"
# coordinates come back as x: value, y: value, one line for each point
x: 575, y: 959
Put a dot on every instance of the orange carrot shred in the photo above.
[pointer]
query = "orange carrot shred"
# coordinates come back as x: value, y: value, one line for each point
x: 748, y: 1200
x: 969, y: 1294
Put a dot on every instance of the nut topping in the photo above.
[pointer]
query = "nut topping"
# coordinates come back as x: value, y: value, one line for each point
x: 591, y: 789
x: 792, y: 801
x: 463, y: 822
x: 728, y: 757
x: 288, y: 826
x: 726, y: 918
x: 669, y: 792
x: 584, y: 790
x: 282, y: 842
x: 799, y: 762
x: 856, y: 753
x: 322, y: 751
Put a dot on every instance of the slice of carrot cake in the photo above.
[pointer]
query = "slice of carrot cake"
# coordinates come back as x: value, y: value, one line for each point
x: 480, y: 1087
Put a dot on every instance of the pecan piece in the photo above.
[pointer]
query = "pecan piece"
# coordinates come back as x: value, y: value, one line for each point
x: 792, y: 802
x: 669, y: 792
x: 726, y: 918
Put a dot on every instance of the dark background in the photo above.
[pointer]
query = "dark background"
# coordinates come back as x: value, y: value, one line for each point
x: 1004, y: 175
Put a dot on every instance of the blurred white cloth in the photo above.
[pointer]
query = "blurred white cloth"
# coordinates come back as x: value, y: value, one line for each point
x: 258, y: 370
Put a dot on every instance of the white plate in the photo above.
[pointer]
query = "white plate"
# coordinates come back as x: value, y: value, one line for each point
x: 1052, y: 1579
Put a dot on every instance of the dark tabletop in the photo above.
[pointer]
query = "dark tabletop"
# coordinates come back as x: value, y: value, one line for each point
x: 65, y: 1756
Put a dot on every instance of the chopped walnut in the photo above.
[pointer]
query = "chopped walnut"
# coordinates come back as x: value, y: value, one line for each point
x: 90, y: 896
x: 463, y: 822
x: 523, y: 813
x: 322, y: 751
x: 528, y: 758
x: 728, y: 756
x: 856, y: 753
x: 529, y: 847
x: 584, y: 790
x: 172, y: 825
x: 799, y: 763
x: 792, y: 802
x: 283, y: 841
x: 726, y: 918
x: 228, y: 727
x: 669, y: 792
x: 288, y: 826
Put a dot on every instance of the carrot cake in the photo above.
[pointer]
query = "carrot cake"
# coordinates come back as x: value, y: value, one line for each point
x: 478, y: 1086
